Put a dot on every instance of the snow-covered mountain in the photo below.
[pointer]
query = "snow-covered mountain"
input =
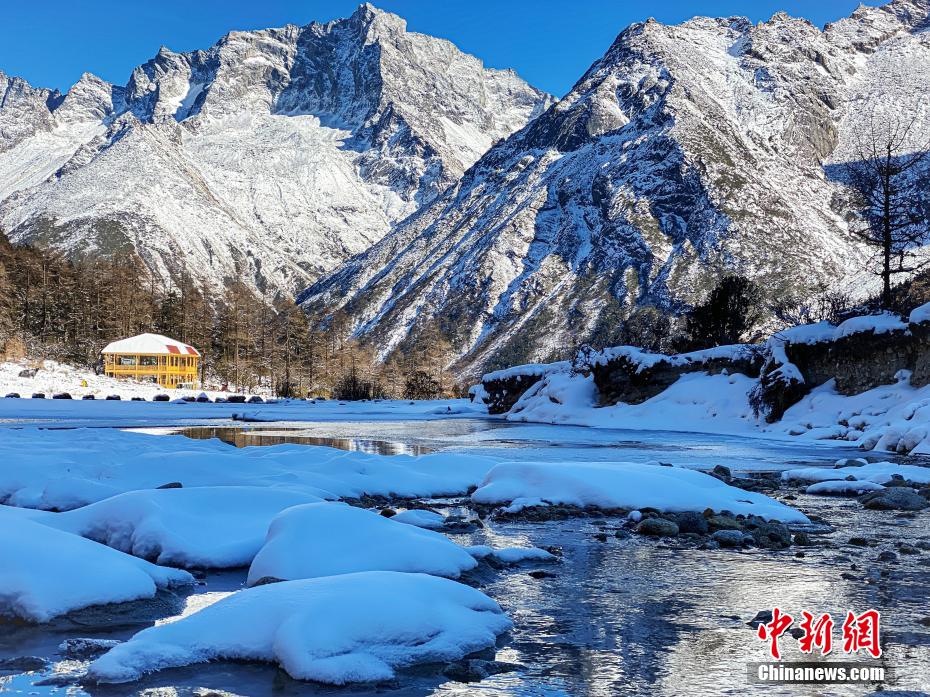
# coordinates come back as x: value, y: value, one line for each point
x: 684, y: 151
x: 272, y: 157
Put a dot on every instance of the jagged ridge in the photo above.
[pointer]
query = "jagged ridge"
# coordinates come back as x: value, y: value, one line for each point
x: 270, y: 157
x: 685, y: 151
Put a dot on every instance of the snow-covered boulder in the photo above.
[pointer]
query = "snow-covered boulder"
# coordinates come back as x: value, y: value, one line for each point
x: 501, y: 389
x: 842, y: 488
x: 338, y: 629
x: 882, y: 323
x: 876, y: 472
x: 420, y: 518
x: 201, y: 527
x: 623, y: 485
x: 326, y: 539
x: 630, y: 375
x: 47, y: 572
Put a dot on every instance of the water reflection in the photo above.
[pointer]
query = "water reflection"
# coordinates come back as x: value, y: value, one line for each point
x: 244, y: 437
x: 621, y: 617
x: 633, y: 617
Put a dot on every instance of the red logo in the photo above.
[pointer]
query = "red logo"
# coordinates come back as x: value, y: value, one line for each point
x: 818, y: 633
x: 860, y: 632
x: 773, y: 630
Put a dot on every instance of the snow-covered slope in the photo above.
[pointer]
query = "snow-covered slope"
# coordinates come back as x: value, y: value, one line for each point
x: 685, y: 150
x: 271, y: 157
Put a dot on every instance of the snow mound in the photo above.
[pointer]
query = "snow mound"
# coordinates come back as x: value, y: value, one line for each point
x: 530, y: 370
x: 919, y: 314
x: 875, y: 472
x: 326, y: 539
x: 48, y: 572
x: 695, y: 402
x: 339, y: 629
x: 623, y: 485
x: 203, y: 527
x: 804, y: 334
x: 421, y: 519
x: 646, y: 359
x: 879, y: 324
x: 842, y: 487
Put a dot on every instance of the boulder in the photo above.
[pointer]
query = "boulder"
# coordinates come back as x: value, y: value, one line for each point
x: 86, y: 649
x: 690, y: 522
x: 771, y: 535
x: 729, y: 538
x: 721, y: 472
x: 23, y: 664
x: 894, y: 499
x: 722, y: 522
x: 657, y: 527
x: 477, y: 669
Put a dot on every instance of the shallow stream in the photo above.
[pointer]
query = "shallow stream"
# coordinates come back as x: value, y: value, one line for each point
x: 625, y: 616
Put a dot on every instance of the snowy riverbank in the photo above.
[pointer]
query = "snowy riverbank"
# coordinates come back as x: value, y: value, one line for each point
x: 28, y: 377
x: 144, y: 510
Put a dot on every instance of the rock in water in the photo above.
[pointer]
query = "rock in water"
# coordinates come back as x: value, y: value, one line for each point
x: 85, y: 649
x: 729, y: 538
x: 692, y: 522
x: 894, y: 499
x: 657, y: 527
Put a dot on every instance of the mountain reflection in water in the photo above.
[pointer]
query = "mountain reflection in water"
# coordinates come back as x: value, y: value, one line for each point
x: 243, y: 437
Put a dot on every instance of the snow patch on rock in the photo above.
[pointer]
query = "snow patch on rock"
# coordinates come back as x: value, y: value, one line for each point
x: 327, y: 539
x: 338, y: 629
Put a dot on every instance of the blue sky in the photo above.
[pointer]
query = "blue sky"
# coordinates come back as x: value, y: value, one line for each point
x: 549, y: 42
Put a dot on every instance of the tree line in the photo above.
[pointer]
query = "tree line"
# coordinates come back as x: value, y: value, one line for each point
x: 68, y: 310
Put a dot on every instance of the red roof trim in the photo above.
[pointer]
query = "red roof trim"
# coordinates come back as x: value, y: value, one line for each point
x: 173, y: 349
x: 191, y: 350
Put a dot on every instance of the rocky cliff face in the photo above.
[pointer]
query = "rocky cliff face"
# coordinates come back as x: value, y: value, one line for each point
x: 272, y: 157
x: 685, y: 151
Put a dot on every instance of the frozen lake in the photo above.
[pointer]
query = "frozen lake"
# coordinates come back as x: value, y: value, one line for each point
x: 618, y: 616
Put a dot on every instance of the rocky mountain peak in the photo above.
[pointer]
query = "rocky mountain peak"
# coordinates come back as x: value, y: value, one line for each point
x: 24, y: 109
x: 914, y: 14
x: 685, y: 152
x: 91, y: 99
x: 376, y: 24
x: 270, y: 156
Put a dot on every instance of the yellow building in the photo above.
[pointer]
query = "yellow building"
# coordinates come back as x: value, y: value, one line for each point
x: 152, y: 358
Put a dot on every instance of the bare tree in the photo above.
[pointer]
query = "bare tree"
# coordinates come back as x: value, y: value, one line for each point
x: 891, y: 153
